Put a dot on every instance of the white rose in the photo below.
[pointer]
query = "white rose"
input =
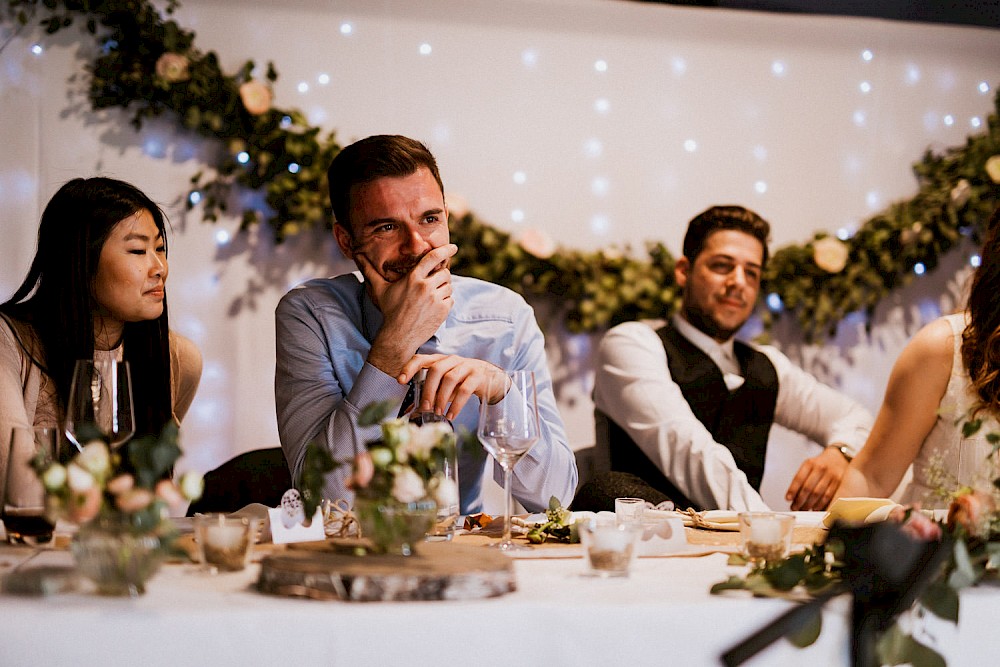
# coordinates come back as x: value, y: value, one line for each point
x: 960, y: 193
x: 537, y: 243
x: 396, y: 432
x: 172, y: 67
x: 830, y: 254
x: 54, y: 477
x: 95, y: 458
x: 407, y: 487
x: 192, y: 485
x: 79, y: 479
x: 256, y: 97
x: 425, y: 438
x: 993, y: 168
x: 445, y: 491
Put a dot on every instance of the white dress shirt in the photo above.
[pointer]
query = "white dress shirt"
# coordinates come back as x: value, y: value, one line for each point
x: 633, y: 387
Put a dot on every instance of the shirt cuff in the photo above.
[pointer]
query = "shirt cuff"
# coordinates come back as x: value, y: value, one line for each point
x: 373, y: 385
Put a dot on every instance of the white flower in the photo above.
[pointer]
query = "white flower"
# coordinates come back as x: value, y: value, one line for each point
x: 381, y: 456
x: 423, y: 439
x: 192, y: 485
x: 172, y: 67
x: 256, y: 97
x: 445, y: 491
x: 396, y: 432
x: 407, y: 487
x: 54, y: 477
x: 95, y: 459
x: 537, y: 243
x: 960, y: 193
x: 79, y: 479
x: 830, y: 254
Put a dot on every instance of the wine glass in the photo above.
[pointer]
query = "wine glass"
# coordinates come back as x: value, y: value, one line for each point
x: 508, y: 429
x: 24, y: 517
x: 100, y: 403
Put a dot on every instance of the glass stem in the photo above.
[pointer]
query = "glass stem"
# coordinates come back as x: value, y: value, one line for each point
x: 507, y: 470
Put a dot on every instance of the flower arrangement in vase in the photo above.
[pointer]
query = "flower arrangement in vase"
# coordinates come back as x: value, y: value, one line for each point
x: 121, y: 501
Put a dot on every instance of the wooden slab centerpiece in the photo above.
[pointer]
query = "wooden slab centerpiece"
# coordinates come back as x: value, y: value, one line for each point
x: 345, y: 570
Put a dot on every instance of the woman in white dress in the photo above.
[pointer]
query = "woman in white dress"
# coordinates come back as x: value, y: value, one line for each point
x: 946, y: 377
x: 96, y: 289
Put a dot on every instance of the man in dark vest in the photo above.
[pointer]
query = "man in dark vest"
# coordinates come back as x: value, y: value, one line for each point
x: 685, y: 409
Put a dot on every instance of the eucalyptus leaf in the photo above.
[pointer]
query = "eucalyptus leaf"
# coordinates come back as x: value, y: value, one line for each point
x: 808, y: 633
x: 376, y: 413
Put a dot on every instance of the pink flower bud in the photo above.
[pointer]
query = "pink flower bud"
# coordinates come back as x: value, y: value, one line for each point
x: 134, y: 500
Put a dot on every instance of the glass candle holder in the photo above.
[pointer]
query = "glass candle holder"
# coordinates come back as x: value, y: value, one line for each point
x: 224, y: 542
x: 609, y: 547
x: 765, y: 537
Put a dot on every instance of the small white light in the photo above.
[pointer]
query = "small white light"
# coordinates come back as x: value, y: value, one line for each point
x: 529, y: 57
x: 844, y: 233
x: 243, y: 157
x: 194, y: 197
x: 912, y: 74
x: 760, y: 187
x: 520, y: 177
x: 517, y: 215
x: 602, y: 105
x: 600, y: 186
x: 872, y: 199
x: 775, y: 303
x: 778, y: 68
x: 678, y: 65
x: 984, y: 87
x: 690, y: 145
x: 425, y: 49
x: 600, y: 224
x: 601, y: 66
x: 760, y: 153
x: 346, y: 28
x: 975, y: 261
x: 949, y: 120
x: 860, y: 118
x: 975, y: 121
x: 865, y: 87
x: 222, y: 237
x: 867, y: 55
x: 37, y: 49
x: 286, y: 121
x: 293, y: 168
x: 593, y: 147
x: 919, y: 268
x: 303, y: 87
x: 323, y: 78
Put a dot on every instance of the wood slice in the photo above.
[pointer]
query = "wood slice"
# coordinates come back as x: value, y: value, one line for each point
x: 333, y: 570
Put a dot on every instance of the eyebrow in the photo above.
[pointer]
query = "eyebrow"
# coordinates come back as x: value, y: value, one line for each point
x: 136, y: 236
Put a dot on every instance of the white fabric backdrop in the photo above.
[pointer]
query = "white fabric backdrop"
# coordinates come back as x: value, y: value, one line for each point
x: 597, y: 121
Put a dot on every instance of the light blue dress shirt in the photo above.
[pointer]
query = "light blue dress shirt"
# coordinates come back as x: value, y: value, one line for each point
x: 322, y: 381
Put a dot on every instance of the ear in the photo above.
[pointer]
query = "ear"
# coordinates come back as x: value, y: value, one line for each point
x: 344, y: 240
x: 681, y: 269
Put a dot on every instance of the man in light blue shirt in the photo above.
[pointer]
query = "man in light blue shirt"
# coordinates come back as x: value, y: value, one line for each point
x: 348, y: 341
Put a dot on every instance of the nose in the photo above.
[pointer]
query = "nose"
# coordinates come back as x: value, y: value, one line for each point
x: 737, y: 277
x: 158, y: 268
x: 414, y: 242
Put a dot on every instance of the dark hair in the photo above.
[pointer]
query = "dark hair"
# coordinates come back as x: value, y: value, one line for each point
x: 981, y: 337
x: 719, y: 218
x: 52, y: 312
x: 370, y: 159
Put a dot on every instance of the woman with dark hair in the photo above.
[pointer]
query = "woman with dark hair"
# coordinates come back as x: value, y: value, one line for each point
x: 95, y: 290
x: 947, y: 376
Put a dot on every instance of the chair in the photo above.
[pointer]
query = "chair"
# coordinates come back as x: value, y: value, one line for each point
x: 257, y: 476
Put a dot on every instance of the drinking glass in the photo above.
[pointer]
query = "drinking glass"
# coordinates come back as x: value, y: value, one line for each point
x: 100, y: 403
x: 24, y: 517
x: 508, y: 429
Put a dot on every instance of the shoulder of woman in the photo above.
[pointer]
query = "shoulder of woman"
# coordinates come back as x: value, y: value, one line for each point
x: 932, y: 346
x: 185, y: 352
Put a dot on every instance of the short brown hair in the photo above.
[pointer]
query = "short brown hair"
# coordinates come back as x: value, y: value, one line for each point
x: 718, y: 218
x: 372, y: 158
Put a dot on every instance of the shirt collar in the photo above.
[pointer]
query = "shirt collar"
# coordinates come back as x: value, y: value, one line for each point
x: 722, y: 354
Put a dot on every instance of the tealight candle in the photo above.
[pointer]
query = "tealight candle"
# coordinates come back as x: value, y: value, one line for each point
x: 766, y: 536
x: 224, y: 542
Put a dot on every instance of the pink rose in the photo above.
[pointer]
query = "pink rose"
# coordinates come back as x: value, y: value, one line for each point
x: 916, y: 524
x: 168, y: 492
x: 84, y: 505
x: 537, y: 243
x: 134, y: 500
x: 256, y: 97
x: 971, y: 511
x: 121, y: 484
x: 364, y: 470
x: 172, y: 68
x: 830, y: 254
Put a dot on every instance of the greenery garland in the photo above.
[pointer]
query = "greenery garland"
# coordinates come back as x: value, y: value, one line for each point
x: 148, y: 65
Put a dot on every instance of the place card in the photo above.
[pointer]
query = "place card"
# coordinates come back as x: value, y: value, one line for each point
x: 287, y: 522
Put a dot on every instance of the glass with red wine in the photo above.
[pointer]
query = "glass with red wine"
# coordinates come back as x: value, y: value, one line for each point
x: 24, y: 517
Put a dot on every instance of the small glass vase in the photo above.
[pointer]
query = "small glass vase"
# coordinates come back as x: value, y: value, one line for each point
x: 394, y: 527
x: 116, y: 555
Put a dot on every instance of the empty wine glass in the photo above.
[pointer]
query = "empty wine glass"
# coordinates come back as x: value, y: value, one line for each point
x: 508, y: 429
x: 100, y: 403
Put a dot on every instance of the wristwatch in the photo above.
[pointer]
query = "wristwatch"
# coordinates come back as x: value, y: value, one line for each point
x: 845, y: 450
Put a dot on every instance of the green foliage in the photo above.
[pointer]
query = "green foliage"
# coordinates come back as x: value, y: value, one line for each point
x: 596, y: 289
x: 151, y: 457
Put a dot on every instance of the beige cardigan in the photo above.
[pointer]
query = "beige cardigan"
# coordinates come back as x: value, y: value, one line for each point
x: 27, y: 396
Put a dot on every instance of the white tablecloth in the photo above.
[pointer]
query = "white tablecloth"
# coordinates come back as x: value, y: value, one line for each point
x: 661, y: 615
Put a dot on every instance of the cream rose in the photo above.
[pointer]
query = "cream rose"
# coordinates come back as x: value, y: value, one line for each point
x: 172, y: 67
x: 407, y: 487
x: 960, y: 193
x: 54, y: 477
x: 192, y: 485
x: 425, y: 438
x: 993, y: 168
x: 79, y: 479
x: 95, y: 459
x: 445, y: 491
x: 537, y: 243
x: 830, y: 254
x: 256, y: 97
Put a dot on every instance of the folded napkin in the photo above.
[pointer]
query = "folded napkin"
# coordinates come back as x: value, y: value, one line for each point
x: 859, y: 510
